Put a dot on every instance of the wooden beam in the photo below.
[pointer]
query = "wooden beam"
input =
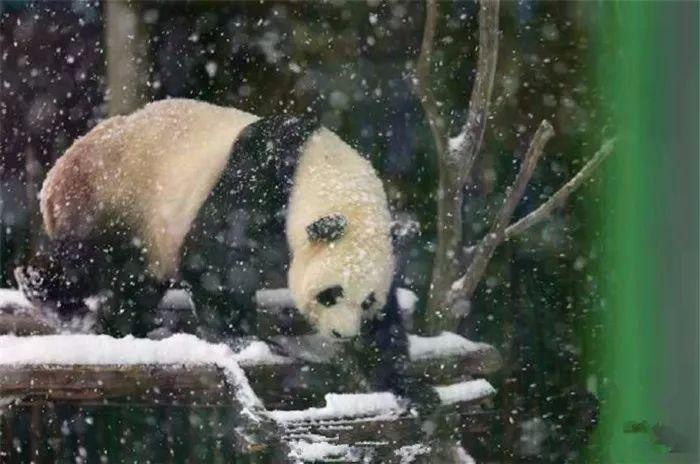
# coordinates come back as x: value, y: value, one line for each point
x: 85, y: 384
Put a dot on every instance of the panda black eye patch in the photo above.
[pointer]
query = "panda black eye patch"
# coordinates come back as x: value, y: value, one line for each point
x: 327, y: 229
x: 329, y: 296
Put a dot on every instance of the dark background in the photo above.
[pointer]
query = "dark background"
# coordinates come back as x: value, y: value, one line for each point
x: 349, y: 62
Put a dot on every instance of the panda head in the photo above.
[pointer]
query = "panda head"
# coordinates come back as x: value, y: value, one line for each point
x: 342, y: 278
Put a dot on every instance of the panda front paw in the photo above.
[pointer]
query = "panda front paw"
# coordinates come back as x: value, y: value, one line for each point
x: 44, y: 284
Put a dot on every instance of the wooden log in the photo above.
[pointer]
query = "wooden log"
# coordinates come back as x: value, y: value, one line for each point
x: 95, y: 385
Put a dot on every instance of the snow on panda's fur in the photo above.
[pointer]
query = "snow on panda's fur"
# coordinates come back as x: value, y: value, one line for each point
x: 332, y: 180
x: 151, y: 172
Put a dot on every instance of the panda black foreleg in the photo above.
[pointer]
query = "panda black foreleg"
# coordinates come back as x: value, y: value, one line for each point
x: 385, y: 358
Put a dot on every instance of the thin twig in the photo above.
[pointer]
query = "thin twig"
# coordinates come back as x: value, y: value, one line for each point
x: 560, y: 197
x: 421, y: 83
x: 557, y: 199
x: 465, y: 147
x: 466, y: 285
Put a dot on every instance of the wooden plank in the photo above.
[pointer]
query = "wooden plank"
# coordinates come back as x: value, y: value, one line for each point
x: 167, y: 384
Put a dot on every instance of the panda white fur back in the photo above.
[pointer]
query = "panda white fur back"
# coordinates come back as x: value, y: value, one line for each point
x: 333, y: 179
x: 154, y: 169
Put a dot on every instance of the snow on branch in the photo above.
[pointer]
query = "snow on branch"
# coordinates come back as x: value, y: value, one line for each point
x: 484, y: 251
x: 463, y: 149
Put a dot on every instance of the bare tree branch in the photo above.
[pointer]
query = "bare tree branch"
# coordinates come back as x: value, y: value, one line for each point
x: 455, y: 166
x: 557, y: 200
x: 561, y: 195
x: 421, y: 83
x: 465, y: 147
x: 466, y: 285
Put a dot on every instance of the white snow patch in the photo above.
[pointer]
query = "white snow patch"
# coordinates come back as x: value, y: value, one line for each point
x: 6, y: 401
x: 454, y: 143
x: 257, y: 353
x: 211, y: 67
x: 445, y: 344
x: 407, y: 299
x: 408, y: 453
x: 464, y: 391
x: 462, y: 457
x: 345, y: 405
x: 457, y: 284
x: 380, y: 405
x: 12, y: 297
x: 179, y: 349
x: 304, y: 451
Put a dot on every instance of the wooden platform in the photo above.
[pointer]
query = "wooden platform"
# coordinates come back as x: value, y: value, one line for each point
x: 295, y: 418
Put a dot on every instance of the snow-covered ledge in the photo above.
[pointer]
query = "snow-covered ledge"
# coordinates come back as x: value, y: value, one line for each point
x: 306, y: 371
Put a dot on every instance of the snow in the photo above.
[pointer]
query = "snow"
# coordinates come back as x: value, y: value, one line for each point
x: 455, y: 143
x: 383, y: 404
x: 211, y: 68
x: 257, y: 353
x: 408, y: 454
x: 407, y: 299
x: 304, y: 451
x: 445, y: 344
x: 457, y: 284
x: 345, y: 405
x: 14, y: 299
x: 464, y: 391
x: 179, y: 349
x: 462, y: 457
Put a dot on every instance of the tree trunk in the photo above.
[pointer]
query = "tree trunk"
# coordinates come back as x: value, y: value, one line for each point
x: 127, y: 70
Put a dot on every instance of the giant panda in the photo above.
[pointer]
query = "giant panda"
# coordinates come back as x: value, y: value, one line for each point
x: 149, y: 181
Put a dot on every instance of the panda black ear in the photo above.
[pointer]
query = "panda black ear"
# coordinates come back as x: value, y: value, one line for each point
x: 327, y: 229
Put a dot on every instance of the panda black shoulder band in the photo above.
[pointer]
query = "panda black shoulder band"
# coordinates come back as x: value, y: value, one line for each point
x: 264, y: 158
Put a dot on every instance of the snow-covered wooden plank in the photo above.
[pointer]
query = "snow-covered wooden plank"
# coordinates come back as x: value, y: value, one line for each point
x: 351, y: 427
x: 380, y: 405
x: 310, y: 367
x: 286, y: 381
x: 90, y: 369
